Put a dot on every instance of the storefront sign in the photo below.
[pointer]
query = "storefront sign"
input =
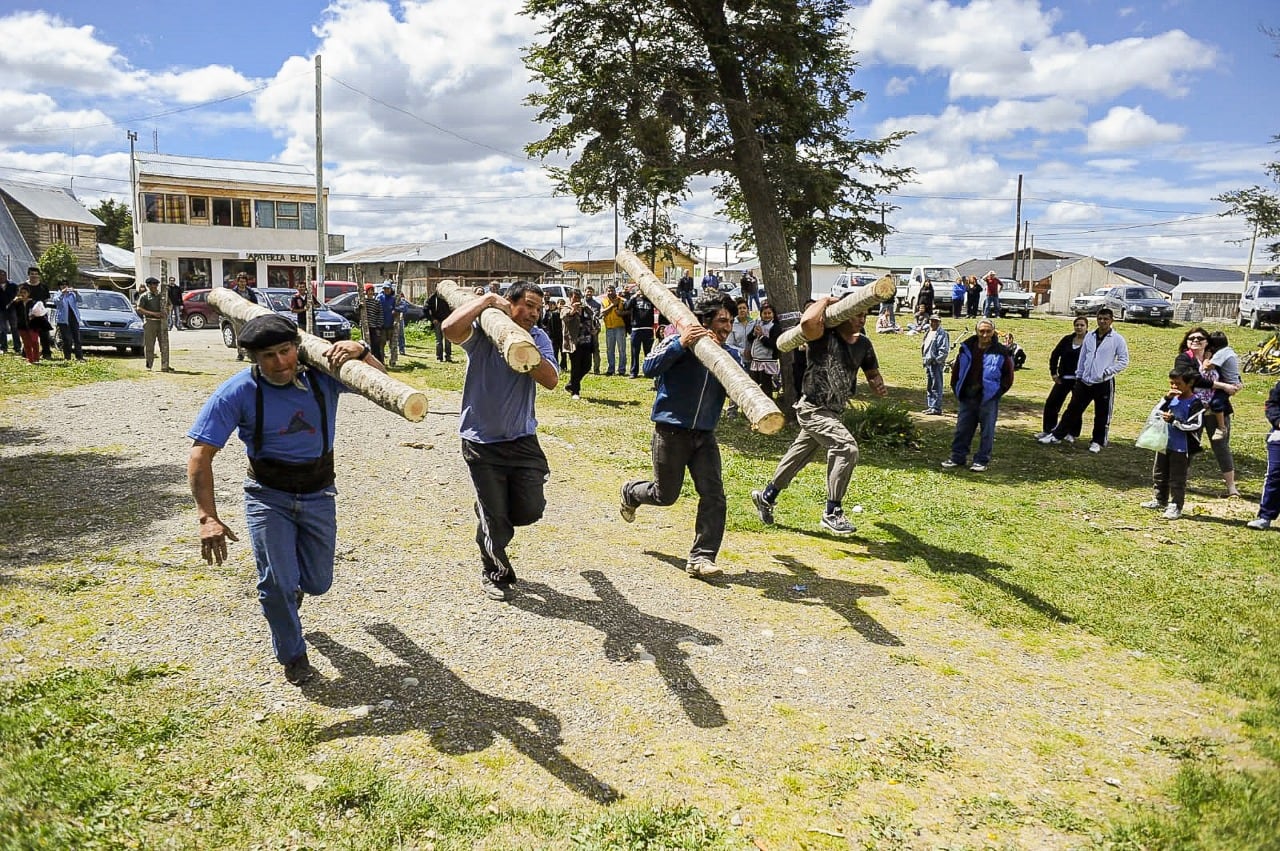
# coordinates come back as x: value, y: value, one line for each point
x: 282, y: 258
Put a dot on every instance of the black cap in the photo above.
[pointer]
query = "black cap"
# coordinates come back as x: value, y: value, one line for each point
x: 262, y: 332
x: 153, y: 280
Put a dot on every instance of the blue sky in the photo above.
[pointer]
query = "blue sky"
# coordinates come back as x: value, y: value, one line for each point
x: 1124, y: 118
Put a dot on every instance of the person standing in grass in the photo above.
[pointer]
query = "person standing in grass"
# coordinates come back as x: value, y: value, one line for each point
x: 1063, y: 361
x: 830, y: 379
x: 933, y: 353
x: 1269, y: 505
x: 1103, y: 356
x: 982, y: 374
x: 685, y: 414
x: 1184, y: 414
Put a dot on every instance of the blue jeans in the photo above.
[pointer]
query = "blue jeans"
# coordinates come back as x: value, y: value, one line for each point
x: 293, y: 537
x: 974, y: 414
x: 933, y: 387
x: 641, y: 344
x: 615, y: 341
x: 1269, y: 506
x: 993, y: 307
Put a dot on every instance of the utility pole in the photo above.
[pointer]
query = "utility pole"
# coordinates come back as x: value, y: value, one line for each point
x: 1248, y: 269
x: 133, y: 190
x: 321, y: 237
x: 883, y: 208
x: 562, y: 230
x: 1017, y: 236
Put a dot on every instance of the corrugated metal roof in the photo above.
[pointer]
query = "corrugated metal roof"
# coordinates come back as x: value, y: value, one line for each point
x: 208, y: 168
x: 409, y: 252
x: 114, y: 256
x: 49, y: 202
x: 15, y: 255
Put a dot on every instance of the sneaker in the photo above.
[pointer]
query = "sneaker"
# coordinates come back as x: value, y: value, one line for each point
x: 1048, y: 439
x: 626, y: 509
x: 837, y: 523
x: 299, y: 670
x: 1071, y: 438
x: 1153, y: 504
x: 1095, y: 448
x: 1173, y: 512
x: 700, y: 568
x: 1259, y: 523
x: 1219, y: 435
x: 1040, y: 434
x: 297, y: 598
x: 764, y: 508
x: 948, y: 464
x: 494, y: 590
x: 576, y: 396
x: 978, y: 468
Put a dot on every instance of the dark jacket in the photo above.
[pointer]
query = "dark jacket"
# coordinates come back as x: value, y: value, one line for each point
x: 996, y: 365
x: 689, y: 396
x: 1273, y: 406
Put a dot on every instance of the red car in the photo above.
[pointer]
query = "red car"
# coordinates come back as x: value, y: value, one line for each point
x: 197, y: 313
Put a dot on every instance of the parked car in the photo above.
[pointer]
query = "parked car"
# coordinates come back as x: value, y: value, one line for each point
x: 1139, y: 304
x: 197, y: 313
x: 328, y: 325
x: 333, y: 289
x: 1260, y: 303
x: 1013, y: 299
x: 347, y: 306
x: 1087, y: 304
x: 848, y: 282
x: 108, y: 319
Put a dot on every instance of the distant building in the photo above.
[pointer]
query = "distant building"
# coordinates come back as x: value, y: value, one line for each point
x: 35, y: 217
x: 670, y: 264
x: 419, y: 266
x: 204, y: 220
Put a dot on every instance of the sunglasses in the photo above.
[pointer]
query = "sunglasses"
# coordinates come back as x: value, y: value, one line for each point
x: 1196, y: 338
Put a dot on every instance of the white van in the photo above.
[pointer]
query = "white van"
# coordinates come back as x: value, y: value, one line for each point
x: 943, y: 279
x: 1260, y: 303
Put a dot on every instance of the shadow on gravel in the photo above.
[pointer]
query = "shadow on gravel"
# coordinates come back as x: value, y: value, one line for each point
x: 940, y: 560
x: 624, y: 627
x: 458, y: 718
x: 837, y: 595
x: 60, y: 504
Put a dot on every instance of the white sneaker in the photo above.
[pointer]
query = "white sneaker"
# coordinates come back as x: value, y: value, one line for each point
x: 1040, y: 434
x: 1259, y: 523
x: 702, y: 569
x: 626, y: 509
x: 1173, y: 512
x: 948, y: 464
x: 1153, y: 503
x: 1095, y: 448
x: 1048, y: 439
x: 1069, y: 439
x: 978, y: 468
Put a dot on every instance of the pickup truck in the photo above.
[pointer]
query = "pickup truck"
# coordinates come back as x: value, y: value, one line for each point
x: 1013, y: 299
x: 1087, y: 304
x: 942, y: 278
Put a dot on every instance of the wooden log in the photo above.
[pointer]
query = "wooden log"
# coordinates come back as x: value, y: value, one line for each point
x: 858, y: 301
x: 373, y: 384
x: 515, y: 343
x: 758, y: 408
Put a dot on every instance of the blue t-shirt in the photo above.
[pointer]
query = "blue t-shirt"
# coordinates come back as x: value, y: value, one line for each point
x: 291, y: 418
x: 1181, y: 409
x: 497, y: 401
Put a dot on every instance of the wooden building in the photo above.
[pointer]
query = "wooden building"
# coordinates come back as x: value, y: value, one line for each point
x: 45, y: 215
x: 419, y: 266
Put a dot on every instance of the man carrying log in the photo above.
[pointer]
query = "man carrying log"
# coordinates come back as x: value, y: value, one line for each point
x: 498, y: 428
x: 285, y: 415
x: 830, y: 380
x: 685, y: 414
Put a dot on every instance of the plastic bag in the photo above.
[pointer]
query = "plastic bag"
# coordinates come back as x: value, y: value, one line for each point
x: 1155, y: 435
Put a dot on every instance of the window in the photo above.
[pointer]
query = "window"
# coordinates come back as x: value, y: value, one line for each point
x: 266, y: 213
x: 232, y: 212
x: 67, y: 234
x: 308, y: 216
x: 286, y: 215
x: 165, y: 209
x: 199, y: 210
x: 194, y: 272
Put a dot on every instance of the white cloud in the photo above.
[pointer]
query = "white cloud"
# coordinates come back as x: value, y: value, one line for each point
x: 1125, y: 127
x: 898, y: 85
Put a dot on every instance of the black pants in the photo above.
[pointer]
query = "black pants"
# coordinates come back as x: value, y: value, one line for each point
x: 444, y: 348
x: 641, y: 345
x: 579, y: 365
x: 675, y: 450
x: 509, y: 479
x: 378, y: 343
x: 46, y: 341
x: 70, y: 336
x: 1058, y: 394
x: 1169, y: 477
x: 1082, y: 395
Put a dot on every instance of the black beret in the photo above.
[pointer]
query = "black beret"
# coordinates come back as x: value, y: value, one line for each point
x: 152, y: 280
x: 262, y: 332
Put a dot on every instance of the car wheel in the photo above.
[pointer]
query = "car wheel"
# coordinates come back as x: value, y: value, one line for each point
x: 122, y: 349
x: 1026, y: 314
x: 229, y: 336
x: 1253, y: 321
x: 137, y: 350
x: 195, y: 321
x: 1123, y: 317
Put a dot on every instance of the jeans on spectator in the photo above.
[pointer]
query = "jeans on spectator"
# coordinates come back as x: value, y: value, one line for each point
x: 992, y: 310
x: 1169, y: 477
x: 70, y: 336
x: 615, y: 344
x: 933, y: 387
x: 1269, y: 505
x: 293, y: 537
x: 975, y: 414
x: 641, y: 344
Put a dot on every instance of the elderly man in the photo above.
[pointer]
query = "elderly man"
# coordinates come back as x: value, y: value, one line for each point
x: 830, y: 380
x: 285, y: 414
x: 982, y: 374
x: 933, y: 353
x: 154, y: 311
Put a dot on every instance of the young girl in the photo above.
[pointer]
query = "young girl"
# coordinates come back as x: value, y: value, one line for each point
x: 1185, y: 414
x: 27, y: 329
x: 764, y: 351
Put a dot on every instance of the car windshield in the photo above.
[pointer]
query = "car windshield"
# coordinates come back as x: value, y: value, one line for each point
x: 940, y: 273
x: 279, y: 302
x: 100, y: 300
x: 1269, y: 292
x: 1141, y: 292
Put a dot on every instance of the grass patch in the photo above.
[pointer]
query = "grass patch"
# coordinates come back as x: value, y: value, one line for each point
x: 19, y: 378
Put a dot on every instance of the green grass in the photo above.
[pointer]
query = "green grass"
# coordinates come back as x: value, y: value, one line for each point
x: 19, y: 378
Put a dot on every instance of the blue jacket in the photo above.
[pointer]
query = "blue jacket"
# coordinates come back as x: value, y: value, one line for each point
x: 388, y: 303
x: 997, y: 368
x: 68, y: 303
x: 689, y: 396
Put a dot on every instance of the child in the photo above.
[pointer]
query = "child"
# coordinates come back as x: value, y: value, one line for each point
x: 1018, y: 353
x: 28, y: 330
x: 1226, y: 369
x: 1184, y: 413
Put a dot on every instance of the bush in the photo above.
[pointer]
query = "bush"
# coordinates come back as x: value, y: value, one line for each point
x: 58, y: 266
x: 881, y: 424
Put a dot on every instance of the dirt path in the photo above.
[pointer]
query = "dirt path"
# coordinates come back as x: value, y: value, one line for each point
x: 815, y: 687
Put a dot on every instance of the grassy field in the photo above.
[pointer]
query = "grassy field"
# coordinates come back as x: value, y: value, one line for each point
x: 1049, y: 536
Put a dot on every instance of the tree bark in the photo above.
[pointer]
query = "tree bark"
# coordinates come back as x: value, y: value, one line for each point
x: 515, y: 343
x: 372, y: 384
x: 758, y: 408
x: 855, y: 302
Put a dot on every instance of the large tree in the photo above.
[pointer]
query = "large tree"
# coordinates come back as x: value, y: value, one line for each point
x: 117, y: 223
x: 646, y: 97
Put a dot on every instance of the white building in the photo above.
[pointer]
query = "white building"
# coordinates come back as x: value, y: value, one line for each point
x: 203, y: 220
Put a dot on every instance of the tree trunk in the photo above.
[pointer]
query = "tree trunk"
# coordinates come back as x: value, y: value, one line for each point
x: 758, y: 408
x: 857, y: 301
x: 373, y: 384
x: 515, y: 343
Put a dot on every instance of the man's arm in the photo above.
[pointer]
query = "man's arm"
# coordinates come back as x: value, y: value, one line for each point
x: 876, y: 380
x: 457, y: 328
x: 812, y: 325
x: 213, y: 532
x: 346, y: 350
x: 1122, y: 357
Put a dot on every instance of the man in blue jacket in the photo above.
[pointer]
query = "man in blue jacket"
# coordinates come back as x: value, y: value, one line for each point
x: 69, y: 322
x: 685, y: 414
x: 982, y: 374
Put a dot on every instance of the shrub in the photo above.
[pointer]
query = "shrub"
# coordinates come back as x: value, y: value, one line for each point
x: 881, y: 424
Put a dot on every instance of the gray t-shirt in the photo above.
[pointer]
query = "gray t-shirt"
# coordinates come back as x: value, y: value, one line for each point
x: 1228, y: 365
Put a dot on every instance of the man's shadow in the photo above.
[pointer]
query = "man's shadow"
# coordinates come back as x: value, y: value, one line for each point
x: 941, y: 560
x: 460, y: 719
x: 624, y: 626
x: 837, y: 595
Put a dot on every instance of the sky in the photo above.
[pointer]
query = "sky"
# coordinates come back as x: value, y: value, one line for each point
x: 1123, y: 119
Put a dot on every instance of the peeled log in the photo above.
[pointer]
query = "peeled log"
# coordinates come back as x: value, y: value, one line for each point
x: 858, y: 301
x: 373, y: 384
x: 515, y: 343
x: 758, y: 408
